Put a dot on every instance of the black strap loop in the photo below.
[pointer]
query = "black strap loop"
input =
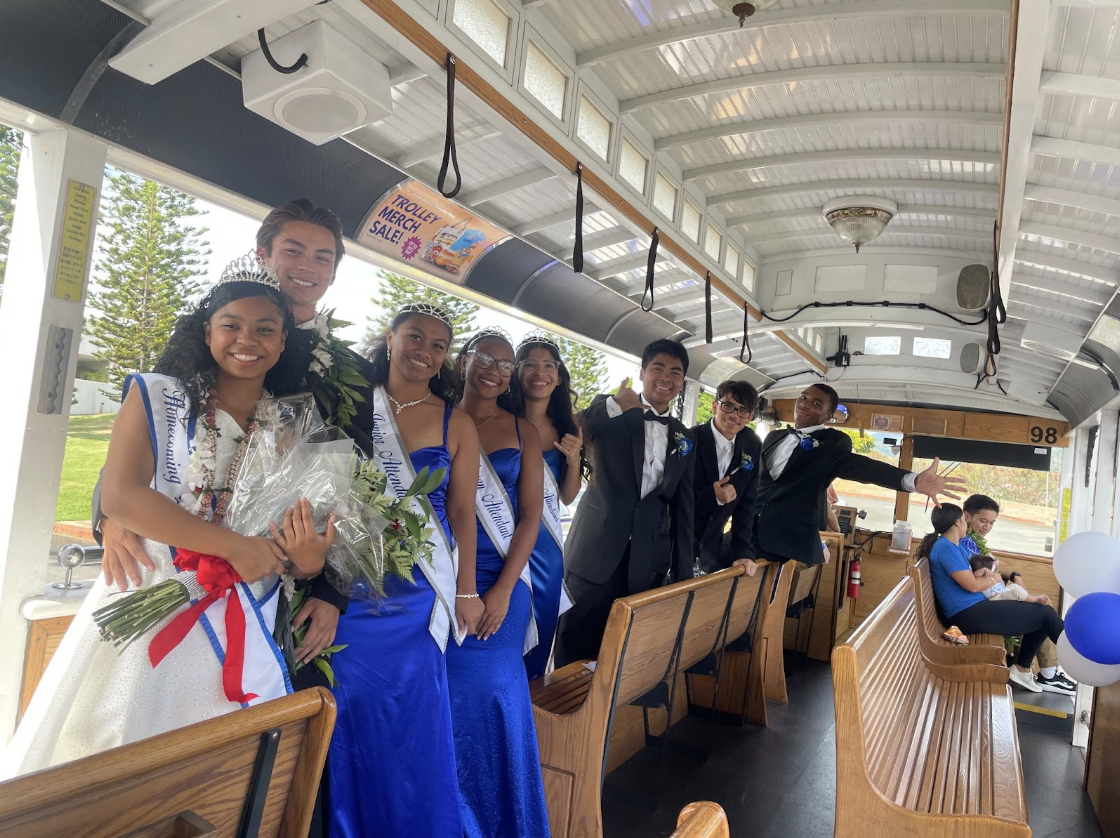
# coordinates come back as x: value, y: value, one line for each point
x: 449, y: 151
x: 746, y: 347
x: 708, y: 307
x: 649, y: 272
x: 995, y: 305
x: 577, y: 254
x: 299, y: 64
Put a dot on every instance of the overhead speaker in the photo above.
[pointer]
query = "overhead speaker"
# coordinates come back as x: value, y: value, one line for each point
x: 970, y: 358
x: 973, y: 286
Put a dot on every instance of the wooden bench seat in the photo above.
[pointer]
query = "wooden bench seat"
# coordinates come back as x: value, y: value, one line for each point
x: 703, y: 819
x: 981, y: 648
x: 650, y: 639
x: 922, y: 748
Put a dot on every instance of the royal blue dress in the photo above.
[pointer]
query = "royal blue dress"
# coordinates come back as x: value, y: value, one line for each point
x: 500, y: 782
x: 546, y: 566
x: 391, y: 764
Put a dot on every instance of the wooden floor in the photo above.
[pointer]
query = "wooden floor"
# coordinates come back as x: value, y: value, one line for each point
x: 778, y: 782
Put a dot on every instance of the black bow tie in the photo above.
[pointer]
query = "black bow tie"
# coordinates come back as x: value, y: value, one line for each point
x: 650, y: 416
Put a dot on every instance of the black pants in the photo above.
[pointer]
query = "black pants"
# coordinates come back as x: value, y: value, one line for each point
x: 1034, y: 621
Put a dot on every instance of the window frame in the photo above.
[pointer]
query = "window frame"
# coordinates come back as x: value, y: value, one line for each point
x: 718, y: 258
x: 508, y: 68
x: 585, y: 92
x: 627, y: 136
x: 678, y: 204
x: 533, y: 36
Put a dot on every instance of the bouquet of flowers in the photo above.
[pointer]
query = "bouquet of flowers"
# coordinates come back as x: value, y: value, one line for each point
x: 291, y: 455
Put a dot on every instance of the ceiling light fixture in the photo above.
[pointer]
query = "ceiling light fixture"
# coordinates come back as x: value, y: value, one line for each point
x: 859, y: 220
x: 743, y: 10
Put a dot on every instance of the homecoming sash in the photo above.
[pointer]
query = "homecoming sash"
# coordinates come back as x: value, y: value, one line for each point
x: 495, y: 512
x: 238, y: 626
x: 391, y: 458
x: 551, y: 518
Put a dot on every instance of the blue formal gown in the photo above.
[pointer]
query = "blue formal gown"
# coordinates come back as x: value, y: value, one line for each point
x: 546, y: 565
x: 391, y: 764
x: 502, y: 795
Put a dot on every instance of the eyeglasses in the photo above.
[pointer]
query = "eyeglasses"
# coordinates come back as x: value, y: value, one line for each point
x: 731, y: 407
x: 543, y: 366
x: 486, y: 361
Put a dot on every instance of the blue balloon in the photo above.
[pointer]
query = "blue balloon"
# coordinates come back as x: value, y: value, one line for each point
x: 1093, y: 627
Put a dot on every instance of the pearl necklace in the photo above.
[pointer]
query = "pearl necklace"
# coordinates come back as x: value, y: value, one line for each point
x: 398, y: 407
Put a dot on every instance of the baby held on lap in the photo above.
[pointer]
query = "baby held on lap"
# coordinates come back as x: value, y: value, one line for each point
x: 1009, y: 588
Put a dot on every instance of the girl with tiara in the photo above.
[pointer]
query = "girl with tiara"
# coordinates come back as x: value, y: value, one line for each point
x: 541, y: 392
x: 173, y: 457
x: 391, y: 764
x: 495, y: 739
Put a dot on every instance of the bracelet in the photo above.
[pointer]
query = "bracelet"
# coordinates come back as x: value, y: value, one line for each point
x: 467, y: 596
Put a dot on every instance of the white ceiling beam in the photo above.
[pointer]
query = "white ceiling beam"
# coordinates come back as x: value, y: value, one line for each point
x: 504, y: 187
x: 864, y: 185
x: 863, y: 317
x: 608, y: 238
x: 1070, y: 150
x: 1072, y: 266
x: 404, y: 73
x: 803, y: 254
x: 1076, y: 85
x: 820, y: 120
x: 903, y: 209
x: 704, y: 26
x: 534, y: 4
x: 1097, y: 296
x: 898, y: 230
x: 617, y: 267
x: 1090, y: 4
x: 748, y: 164
x: 1053, y: 306
x: 546, y: 221
x: 806, y: 75
x: 1093, y: 203
x: 1064, y: 234
x: 420, y: 152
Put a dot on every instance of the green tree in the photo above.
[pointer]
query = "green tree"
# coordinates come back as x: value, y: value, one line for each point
x: 11, y: 142
x: 150, y: 257
x: 397, y: 291
x: 860, y: 444
x: 587, y: 367
x: 704, y: 407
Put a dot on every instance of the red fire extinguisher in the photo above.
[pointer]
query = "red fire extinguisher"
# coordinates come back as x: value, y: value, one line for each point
x: 853, y: 579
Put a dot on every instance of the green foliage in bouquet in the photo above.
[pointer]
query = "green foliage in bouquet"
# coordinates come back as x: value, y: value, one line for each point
x: 293, y: 640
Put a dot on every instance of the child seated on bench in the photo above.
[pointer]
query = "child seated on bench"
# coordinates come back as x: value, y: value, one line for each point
x: 1005, y: 589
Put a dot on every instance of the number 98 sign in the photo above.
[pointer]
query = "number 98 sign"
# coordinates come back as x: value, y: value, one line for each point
x: 1048, y: 436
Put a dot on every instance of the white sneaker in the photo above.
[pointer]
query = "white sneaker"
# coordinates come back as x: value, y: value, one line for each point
x: 1024, y: 679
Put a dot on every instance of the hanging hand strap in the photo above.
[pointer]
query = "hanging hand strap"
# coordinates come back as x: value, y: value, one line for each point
x: 577, y: 254
x: 649, y: 272
x: 746, y: 347
x: 449, y: 152
x: 708, y: 307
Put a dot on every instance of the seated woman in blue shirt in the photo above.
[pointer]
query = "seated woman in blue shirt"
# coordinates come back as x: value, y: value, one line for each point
x: 960, y: 595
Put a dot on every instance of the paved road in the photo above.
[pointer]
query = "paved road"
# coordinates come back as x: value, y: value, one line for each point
x: 1017, y: 536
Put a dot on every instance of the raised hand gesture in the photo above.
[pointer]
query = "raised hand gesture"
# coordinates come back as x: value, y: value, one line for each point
x: 932, y: 484
x: 571, y: 446
x: 627, y: 399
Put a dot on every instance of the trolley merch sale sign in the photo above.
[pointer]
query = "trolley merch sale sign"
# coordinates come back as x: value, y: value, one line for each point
x: 419, y: 226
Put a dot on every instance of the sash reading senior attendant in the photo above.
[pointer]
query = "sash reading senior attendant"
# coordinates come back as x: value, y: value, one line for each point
x: 392, y: 757
x: 633, y: 528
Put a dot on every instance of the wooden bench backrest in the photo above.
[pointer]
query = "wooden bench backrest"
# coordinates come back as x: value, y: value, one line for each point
x: 925, y: 601
x: 703, y: 819
x: 205, y: 769
x: 707, y: 616
x: 749, y: 595
x: 803, y: 581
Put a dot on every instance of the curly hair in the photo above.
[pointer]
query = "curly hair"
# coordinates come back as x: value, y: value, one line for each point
x: 442, y: 384
x: 188, y: 358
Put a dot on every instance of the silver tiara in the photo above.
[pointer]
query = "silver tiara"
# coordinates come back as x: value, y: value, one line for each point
x: 250, y: 268
x: 534, y: 338
x: 489, y: 332
x: 428, y: 309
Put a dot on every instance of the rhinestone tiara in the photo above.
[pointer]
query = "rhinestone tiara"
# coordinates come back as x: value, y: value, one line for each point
x: 489, y: 332
x: 250, y: 268
x: 538, y: 337
x: 428, y: 309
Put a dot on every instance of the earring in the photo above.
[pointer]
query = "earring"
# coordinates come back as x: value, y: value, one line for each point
x: 509, y: 389
x: 388, y: 354
x: 463, y: 374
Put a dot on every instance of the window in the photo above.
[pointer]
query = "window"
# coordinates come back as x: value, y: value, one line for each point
x: 748, y: 276
x: 890, y: 345
x: 486, y: 23
x: 818, y: 341
x: 731, y: 261
x: 878, y: 504
x: 933, y: 348
x: 665, y: 197
x: 632, y: 166
x: 713, y: 241
x: 690, y: 221
x: 593, y: 128
x: 544, y: 81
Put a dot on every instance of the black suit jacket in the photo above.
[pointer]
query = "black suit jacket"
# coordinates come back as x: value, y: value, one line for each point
x: 788, y: 509
x: 612, y: 514
x: 711, y: 518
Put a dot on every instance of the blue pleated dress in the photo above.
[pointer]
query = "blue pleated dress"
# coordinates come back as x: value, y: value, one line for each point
x: 391, y: 764
x: 495, y: 739
x: 546, y: 566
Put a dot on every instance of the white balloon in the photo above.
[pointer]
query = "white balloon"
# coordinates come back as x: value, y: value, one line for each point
x: 1083, y: 670
x: 1088, y: 562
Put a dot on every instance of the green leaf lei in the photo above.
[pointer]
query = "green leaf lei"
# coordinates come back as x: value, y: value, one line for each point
x: 334, y: 377
x: 981, y: 545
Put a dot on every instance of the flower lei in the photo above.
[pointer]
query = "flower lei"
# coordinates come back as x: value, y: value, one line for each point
x: 334, y: 378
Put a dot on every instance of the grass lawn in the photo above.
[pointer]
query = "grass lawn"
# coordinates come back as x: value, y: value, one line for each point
x: 87, y: 442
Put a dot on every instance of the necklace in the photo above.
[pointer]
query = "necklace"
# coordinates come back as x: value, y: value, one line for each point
x: 398, y: 407
x: 478, y: 425
x: 211, y: 500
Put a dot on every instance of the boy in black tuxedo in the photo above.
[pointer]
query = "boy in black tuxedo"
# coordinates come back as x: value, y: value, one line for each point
x: 728, y: 462
x: 798, y: 464
x: 632, y: 530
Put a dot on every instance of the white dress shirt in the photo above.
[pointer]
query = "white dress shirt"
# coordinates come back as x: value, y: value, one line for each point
x: 779, y: 456
x: 656, y: 447
x: 724, y: 449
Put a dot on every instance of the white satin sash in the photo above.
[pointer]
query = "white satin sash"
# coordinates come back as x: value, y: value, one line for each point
x: 551, y: 517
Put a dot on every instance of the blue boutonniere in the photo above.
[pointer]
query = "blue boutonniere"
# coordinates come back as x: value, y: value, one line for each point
x: 746, y: 464
x: 683, y: 445
x: 808, y: 443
